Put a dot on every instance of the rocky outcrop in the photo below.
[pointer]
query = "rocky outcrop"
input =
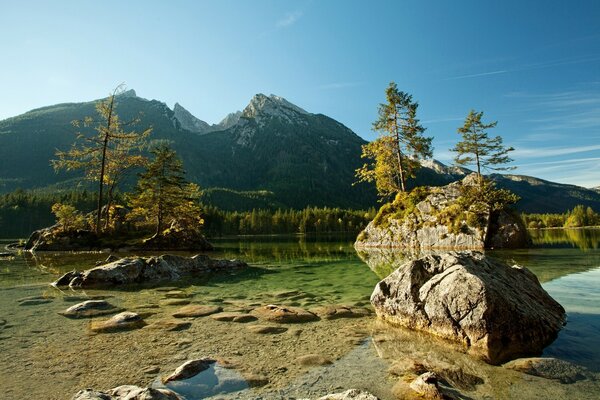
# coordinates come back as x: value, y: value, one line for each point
x: 430, y: 218
x: 499, y: 312
x: 54, y: 238
x: 147, y: 269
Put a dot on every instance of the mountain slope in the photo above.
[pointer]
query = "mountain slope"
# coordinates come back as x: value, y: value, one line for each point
x: 273, y: 146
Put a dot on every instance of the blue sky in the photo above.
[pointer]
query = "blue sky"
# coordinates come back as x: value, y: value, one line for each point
x: 532, y: 65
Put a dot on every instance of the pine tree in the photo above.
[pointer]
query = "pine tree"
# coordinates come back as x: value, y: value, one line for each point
x: 163, y: 195
x: 395, y: 153
x: 477, y: 148
x: 107, y: 153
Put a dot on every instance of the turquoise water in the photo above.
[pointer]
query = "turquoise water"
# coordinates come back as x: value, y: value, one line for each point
x: 44, y: 355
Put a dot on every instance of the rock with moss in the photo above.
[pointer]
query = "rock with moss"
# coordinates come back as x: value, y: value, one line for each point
x: 450, y: 217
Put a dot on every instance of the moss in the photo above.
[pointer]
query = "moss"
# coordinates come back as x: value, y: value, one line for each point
x: 403, y: 205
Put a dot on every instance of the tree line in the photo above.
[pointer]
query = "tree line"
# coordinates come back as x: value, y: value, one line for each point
x: 578, y: 217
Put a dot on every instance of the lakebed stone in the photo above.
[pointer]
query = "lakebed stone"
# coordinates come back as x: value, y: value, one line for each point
x: 313, y: 360
x: 170, y: 325
x: 147, y: 269
x: 283, y: 314
x: 352, y: 394
x: 126, y: 320
x: 90, y: 308
x: 196, y: 310
x: 267, y: 329
x: 336, y: 312
x: 127, y: 392
x: 499, y: 312
x: 233, y: 317
x: 549, y: 368
x: 189, y: 369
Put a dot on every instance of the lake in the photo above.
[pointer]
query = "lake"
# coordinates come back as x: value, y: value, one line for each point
x: 47, y: 356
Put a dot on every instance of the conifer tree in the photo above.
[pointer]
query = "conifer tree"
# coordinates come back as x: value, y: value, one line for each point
x: 478, y: 149
x: 105, y: 154
x: 395, y: 153
x: 162, y: 193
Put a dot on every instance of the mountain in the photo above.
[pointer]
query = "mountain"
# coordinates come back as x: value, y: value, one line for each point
x: 271, y: 154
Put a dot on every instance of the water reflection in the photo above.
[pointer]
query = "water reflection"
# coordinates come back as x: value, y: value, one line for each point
x: 584, y: 239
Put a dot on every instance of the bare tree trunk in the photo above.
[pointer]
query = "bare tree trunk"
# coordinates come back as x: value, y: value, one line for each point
x: 103, y: 165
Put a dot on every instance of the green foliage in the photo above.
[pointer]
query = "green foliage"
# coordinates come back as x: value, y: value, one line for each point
x: 162, y: 195
x: 394, y: 154
x: 105, y: 152
x: 578, y: 217
x: 477, y: 148
x: 68, y: 217
x: 309, y: 220
x: 403, y: 205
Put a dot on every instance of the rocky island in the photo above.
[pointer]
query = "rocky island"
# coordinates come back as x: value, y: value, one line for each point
x: 443, y: 218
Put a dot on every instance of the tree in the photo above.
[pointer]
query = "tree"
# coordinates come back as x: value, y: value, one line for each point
x: 395, y: 153
x: 162, y: 194
x: 477, y: 148
x: 105, y: 153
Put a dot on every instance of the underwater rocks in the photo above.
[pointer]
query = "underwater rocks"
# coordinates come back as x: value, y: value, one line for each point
x: 127, y: 392
x: 283, y: 314
x: 189, y: 369
x: 147, y: 269
x: 124, y: 321
x: 500, y: 312
x: 336, y: 312
x: 196, y: 310
x: 90, y: 308
x: 549, y: 368
x: 352, y: 394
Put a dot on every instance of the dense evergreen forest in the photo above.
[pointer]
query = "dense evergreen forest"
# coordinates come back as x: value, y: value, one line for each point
x: 22, y: 212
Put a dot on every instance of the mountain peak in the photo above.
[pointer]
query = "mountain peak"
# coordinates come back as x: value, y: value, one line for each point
x: 274, y: 106
x: 189, y: 121
x: 128, y: 93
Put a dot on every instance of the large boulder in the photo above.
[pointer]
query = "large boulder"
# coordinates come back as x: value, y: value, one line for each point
x: 431, y: 218
x: 499, y: 312
x: 147, y: 269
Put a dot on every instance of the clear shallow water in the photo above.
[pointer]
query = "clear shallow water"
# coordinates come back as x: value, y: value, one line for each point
x: 45, y: 355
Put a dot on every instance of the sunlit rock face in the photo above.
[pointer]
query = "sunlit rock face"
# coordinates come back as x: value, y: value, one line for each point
x: 426, y: 224
x: 499, y: 312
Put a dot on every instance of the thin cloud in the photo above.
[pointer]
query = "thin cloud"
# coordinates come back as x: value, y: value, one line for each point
x: 503, y: 71
x: 539, y: 152
x: 529, y: 67
x: 288, y: 19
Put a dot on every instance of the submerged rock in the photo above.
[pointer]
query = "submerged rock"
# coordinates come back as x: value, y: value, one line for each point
x: 336, y: 312
x: 127, y: 392
x: 126, y: 320
x: 549, y: 368
x: 233, y: 317
x: 352, y: 394
x: 267, y: 329
x: 312, y: 360
x: 282, y: 314
x: 196, y: 310
x: 498, y: 311
x: 430, y: 218
x: 90, y: 308
x: 147, y: 269
x: 189, y: 369
x: 426, y: 385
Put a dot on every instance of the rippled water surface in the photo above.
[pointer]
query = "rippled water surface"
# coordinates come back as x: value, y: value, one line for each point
x: 45, y: 355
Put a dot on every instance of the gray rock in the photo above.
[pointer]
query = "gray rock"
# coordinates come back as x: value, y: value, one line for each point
x: 149, y: 269
x: 498, y: 311
x: 423, y: 228
x: 352, y: 394
x: 90, y: 308
x: 126, y: 320
x: 89, y: 394
x: 283, y: 314
x: 550, y: 368
x: 130, y: 392
x: 189, y: 369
